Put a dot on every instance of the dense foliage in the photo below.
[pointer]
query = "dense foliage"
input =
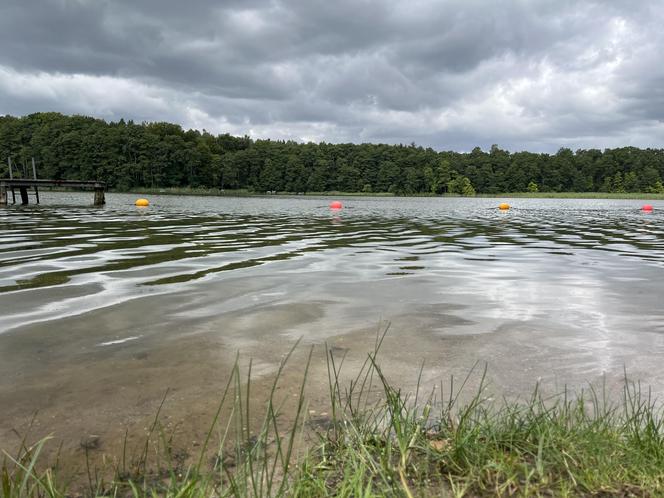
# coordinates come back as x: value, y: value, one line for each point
x: 129, y: 155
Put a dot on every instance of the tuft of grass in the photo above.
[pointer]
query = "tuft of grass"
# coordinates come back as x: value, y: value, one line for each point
x: 563, y: 445
x: 576, y: 195
x: 381, y: 441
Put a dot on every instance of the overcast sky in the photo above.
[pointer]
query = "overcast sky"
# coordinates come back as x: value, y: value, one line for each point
x: 526, y: 75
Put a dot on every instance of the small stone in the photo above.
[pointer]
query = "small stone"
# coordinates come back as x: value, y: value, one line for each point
x: 439, y: 444
x: 91, y: 442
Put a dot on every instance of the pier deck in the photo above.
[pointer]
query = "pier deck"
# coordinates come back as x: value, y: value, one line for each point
x: 23, y: 184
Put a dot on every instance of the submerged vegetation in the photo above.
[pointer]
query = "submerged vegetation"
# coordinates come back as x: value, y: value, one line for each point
x: 450, y: 443
x: 163, y: 155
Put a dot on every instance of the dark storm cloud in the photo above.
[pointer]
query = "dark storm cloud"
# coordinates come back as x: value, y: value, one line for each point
x: 450, y: 74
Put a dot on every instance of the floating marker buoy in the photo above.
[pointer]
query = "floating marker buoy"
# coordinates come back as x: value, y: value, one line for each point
x: 503, y: 206
x: 142, y: 202
x: 647, y: 208
x: 336, y: 205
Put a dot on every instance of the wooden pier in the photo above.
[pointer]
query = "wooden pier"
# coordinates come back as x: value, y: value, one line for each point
x: 24, y: 185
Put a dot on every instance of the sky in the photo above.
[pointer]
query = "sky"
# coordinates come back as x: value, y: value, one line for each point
x: 448, y: 74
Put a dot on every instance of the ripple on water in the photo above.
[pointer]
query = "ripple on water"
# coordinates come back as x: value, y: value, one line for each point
x: 180, y: 241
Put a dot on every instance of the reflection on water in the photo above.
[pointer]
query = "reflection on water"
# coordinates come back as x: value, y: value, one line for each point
x: 121, y: 252
x: 105, y: 308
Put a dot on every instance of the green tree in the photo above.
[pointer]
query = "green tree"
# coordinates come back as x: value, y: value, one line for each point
x: 271, y: 177
x: 617, y: 185
x: 657, y: 188
x: 461, y: 185
x: 130, y: 155
x: 441, y: 176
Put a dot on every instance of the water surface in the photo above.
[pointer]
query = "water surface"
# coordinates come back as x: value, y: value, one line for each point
x: 105, y: 308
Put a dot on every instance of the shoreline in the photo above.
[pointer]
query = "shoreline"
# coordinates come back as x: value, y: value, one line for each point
x: 115, y: 365
x: 372, y: 438
x: 194, y: 192
x: 504, y: 195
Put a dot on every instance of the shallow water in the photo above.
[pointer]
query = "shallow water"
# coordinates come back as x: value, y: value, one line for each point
x: 105, y: 308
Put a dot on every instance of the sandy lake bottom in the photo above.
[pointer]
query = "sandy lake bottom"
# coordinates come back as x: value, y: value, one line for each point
x: 107, y: 312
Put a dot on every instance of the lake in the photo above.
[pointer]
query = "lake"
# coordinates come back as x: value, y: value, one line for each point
x: 106, y: 311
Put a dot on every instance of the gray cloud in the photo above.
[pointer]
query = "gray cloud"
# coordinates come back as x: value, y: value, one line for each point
x: 449, y: 74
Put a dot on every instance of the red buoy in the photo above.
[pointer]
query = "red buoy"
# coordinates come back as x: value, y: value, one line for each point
x: 647, y: 208
x: 336, y: 205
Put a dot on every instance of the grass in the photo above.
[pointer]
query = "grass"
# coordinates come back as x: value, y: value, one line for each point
x: 390, y: 444
x: 534, y: 195
x: 204, y: 191
x: 188, y: 191
x: 577, y: 195
x: 243, y: 192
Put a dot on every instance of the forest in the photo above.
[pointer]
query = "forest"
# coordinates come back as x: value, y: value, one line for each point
x: 128, y: 156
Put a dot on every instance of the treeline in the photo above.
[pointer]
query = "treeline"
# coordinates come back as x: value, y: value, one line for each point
x: 128, y: 155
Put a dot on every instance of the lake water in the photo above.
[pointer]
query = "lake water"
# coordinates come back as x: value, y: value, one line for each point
x: 104, y: 309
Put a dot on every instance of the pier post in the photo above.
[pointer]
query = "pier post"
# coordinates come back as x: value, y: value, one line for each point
x: 3, y: 194
x: 99, y: 196
x: 24, y: 195
x: 34, y: 175
x: 11, y: 176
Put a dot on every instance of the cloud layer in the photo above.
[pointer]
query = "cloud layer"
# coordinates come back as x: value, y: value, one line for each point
x: 450, y: 74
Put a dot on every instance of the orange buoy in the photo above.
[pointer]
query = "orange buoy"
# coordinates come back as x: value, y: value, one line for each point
x: 503, y: 206
x: 647, y: 208
x: 336, y: 205
x: 142, y: 203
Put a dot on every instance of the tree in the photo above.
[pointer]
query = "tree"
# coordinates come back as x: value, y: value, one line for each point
x: 295, y: 179
x: 617, y: 184
x: 441, y: 176
x: 461, y: 185
x: 630, y: 182
x: 657, y: 188
x: 271, y: 177
x: 467, y: 188
x: 388, y: 177
x: 129, y: 155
